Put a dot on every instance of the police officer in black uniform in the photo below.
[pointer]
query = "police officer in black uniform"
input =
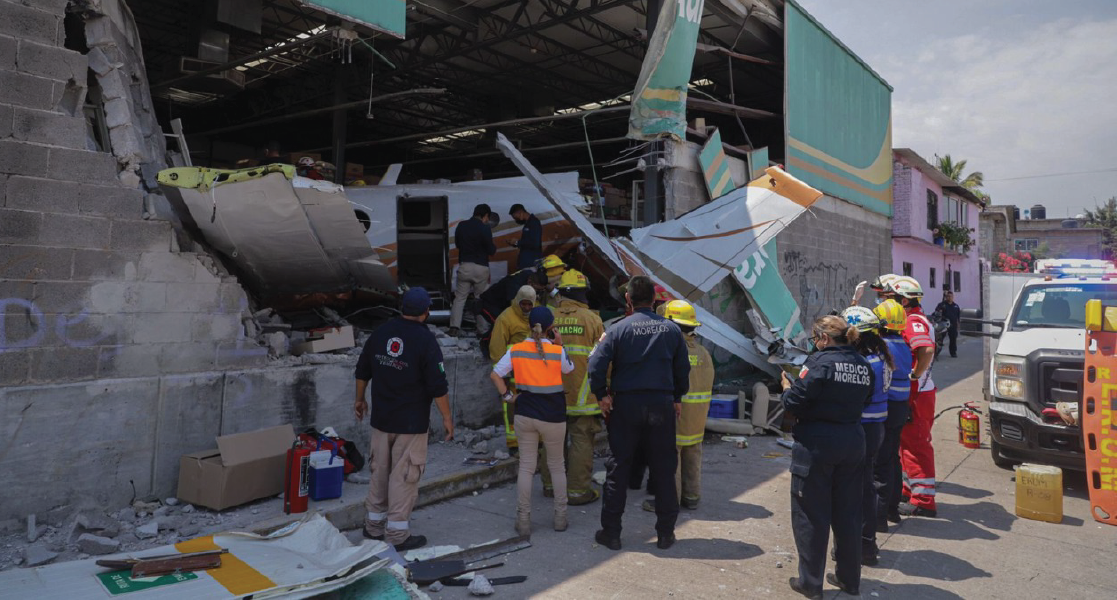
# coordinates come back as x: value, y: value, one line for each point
x: 651, y: 373
x: 827, y: 399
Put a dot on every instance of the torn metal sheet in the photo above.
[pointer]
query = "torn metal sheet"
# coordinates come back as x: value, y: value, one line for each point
x: 659, y: 100
x: 715, y: 167
x: 626, y: 259
x: 286, y: 235
x: 305, y: 559
x: 702, y: 247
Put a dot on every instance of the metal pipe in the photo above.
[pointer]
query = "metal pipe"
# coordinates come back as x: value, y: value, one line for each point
x: 507, y: 123
x: 497, y: 152
x: 316, y: 111
x: 244, y: 59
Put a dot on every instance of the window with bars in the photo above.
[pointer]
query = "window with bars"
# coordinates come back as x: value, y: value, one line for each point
x: 908, y: 269
x: 932, y: 278
x: 932, y: 210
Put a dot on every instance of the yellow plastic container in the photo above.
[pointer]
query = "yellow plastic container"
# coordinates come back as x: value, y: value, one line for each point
x: 1039, y: 492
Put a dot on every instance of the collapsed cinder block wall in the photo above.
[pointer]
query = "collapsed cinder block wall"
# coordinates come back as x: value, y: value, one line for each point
x: 97, y: 306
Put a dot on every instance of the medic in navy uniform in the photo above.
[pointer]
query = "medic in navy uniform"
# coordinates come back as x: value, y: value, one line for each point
x: 651, y: 373
x: 834, y: 387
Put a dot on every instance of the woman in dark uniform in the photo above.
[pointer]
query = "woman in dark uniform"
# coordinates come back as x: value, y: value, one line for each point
x: 827, y: 460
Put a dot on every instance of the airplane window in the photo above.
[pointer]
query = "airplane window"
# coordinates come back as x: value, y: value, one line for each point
x: 363, y: 217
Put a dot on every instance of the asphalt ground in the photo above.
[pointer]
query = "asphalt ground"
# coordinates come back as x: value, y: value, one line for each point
x: 738, y: 543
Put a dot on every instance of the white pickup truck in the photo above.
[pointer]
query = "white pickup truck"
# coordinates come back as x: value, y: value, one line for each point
x: 1038, y: 361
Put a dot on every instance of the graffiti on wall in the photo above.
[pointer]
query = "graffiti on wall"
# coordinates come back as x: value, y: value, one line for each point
x: 819, y: 286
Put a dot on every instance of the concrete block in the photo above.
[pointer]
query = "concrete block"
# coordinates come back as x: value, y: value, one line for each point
x: 52, y: 62
x: 110, y: 297
x: 110, y: 425
x: 22, y: 89
x: 189, y: 421
x: 82, y: 166
x: 150, y: 236
x: 149, y: 297
x: 240, y: 354
x: 75, y: 231
x: 117, y: 112
x: 167, y: 266
x: 35, y: 262
x: 29, y: 23
x: 19, y: 226
x: 61, y: 297
x: 15, y: 365
x: 84, y: 330
x: 133, y: 360
x: 96, y: 545
x: 16, y: 297
x: 233, y: 299
x: 186, y: 357
x: 49, y: 195
x: 127, y: 143
x: 99, y: 63
x: 21, y: 158
x: 6, y: 113
x: 111, y: 201
x: 38, y: 555
x: 43, y: 127
x: 8, y: 52
x: 157, y: 328
x: 63, y: 364
x: 99, y: 265
x: 115, y: 84
x: 192, y: 297
x: 211, y: 327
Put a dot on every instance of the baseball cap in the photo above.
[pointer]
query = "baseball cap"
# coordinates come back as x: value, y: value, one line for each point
x: 415, y: 302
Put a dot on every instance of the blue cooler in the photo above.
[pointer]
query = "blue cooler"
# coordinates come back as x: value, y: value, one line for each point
x: 327, y: 471
x: 723, y: 406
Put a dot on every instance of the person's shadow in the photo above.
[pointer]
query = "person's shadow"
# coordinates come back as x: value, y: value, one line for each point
x: 904, y: 591
x: 730, y: 511
x: 702, y: 549
x: 930, y: 564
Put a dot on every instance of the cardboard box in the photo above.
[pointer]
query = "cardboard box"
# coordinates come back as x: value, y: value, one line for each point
x: 243, y: 468
x: 324, y: 340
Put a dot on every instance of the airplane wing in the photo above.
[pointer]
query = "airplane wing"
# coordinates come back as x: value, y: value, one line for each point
x: 627, y: 261
x: 702, y: 247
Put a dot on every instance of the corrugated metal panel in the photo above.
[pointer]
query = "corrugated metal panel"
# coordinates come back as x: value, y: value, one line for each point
x: 715, y: 167
x: 838, y: 115
x: 389, y: 16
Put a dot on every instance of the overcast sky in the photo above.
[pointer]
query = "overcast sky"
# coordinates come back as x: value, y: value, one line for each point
x: 1017, y: 87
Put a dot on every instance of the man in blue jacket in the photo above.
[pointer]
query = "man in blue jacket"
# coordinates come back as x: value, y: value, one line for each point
x: 474, y: 240
x: 651, y: 374
x: 401, y: 364
x: 531, y: 237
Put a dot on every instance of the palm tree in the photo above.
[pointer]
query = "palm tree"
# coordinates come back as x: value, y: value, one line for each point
x: 955, y: 170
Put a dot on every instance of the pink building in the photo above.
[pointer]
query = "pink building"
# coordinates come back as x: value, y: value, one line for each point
x: 923, y: 198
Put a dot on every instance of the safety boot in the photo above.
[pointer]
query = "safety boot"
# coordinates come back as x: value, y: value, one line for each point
x: 586, y: 498
x: 560, y: 520
x: 523, y: 523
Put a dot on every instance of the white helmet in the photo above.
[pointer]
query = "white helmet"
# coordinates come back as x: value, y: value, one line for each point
x: 306, y: 161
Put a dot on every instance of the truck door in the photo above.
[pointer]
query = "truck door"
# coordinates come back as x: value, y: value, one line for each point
x: 423, y: 244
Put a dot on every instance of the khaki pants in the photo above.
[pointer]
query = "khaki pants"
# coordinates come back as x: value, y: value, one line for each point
x: 581, y: 431
x: 688, y: 476
x: 553, y: 435
x: 396, y: 462
x: 471, y: 278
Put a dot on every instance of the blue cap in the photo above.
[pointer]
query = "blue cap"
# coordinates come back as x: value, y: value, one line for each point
x: 542, y: 316
x: 415, y: 302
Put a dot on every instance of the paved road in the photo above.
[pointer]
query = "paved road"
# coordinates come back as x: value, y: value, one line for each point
x: 739, y: 544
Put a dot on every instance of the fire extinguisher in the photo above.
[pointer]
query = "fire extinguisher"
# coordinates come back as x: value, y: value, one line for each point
x: 296, y: 487
x: 969, y: 426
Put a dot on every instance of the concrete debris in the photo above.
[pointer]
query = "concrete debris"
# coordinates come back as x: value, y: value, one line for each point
x: 162, y: 511
x: 95, y: 544
x: 148, y: 530
x: 448, y: 342
x: 188, y: 508
x: 360, y: 478
x: 436, y: 587
x: 148, y: 507
x: 38, y: 554
x: 189, y: 530
x: 278, y: 344
x: 480, y: 586
x: 95, y: 523
x: 471, y: 438
x: 501, y: 455
x: 481, y: 447
x: 32, y: 528
x: 171, y: 502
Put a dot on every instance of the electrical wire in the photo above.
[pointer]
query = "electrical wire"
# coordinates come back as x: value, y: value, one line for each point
x: 1110, y: 170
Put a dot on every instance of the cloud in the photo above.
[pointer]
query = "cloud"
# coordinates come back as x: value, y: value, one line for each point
x: 1019, y: 106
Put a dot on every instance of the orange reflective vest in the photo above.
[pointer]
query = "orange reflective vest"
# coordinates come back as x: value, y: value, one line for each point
x: 534, y: 373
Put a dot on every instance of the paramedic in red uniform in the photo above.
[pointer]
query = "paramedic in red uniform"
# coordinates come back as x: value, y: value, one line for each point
x: 401, y: 364
x: 916, y: 453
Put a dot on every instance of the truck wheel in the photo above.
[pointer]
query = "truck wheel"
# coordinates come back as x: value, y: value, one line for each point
x: 998, y: 458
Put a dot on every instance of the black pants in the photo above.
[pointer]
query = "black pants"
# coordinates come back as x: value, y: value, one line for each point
x: 953, y: 334
x: 887, y: 471
x: 641, y: 423
x: 826, y: 479
x: 874, y: 435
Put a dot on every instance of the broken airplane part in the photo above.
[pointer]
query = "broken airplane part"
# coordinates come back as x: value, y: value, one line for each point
x: 689, y: 255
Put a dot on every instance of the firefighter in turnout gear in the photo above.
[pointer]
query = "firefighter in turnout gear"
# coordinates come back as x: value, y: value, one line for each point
x: 696, y: 406
x: 580, y: 329
x: 511, y: 327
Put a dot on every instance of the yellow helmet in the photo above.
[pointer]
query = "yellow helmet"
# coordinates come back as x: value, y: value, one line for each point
x: 906, y: 286
x: 573, y: 279
x: 681, y: 312
x: 861, y: 318
x: 891, y: 315
x: 553, y: 262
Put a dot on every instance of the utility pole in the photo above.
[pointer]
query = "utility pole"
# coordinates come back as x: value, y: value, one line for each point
x: 653, y: 190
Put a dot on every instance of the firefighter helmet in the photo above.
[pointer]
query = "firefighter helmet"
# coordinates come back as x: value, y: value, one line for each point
x: 553, y: 262
x: 306, y: 161
x: 861, y: 318
x: 891, y: 315
x: 681, y: 312
x: 573, y: 279
x: 661, y: 294
x: 880, y: 284
x: 906, y: 286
